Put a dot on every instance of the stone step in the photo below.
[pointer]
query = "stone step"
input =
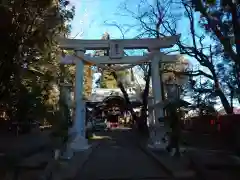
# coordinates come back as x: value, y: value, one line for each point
x: 177, y: 167
x: 36, y: 161
x: 69, y: 169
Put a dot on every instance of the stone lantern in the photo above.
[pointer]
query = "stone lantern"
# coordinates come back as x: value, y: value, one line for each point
x: 173, y: 78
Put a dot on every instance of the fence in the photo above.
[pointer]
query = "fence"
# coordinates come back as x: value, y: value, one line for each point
x: 201, y: 124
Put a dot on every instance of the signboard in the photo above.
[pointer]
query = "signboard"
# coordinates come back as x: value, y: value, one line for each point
x: 116, y: 50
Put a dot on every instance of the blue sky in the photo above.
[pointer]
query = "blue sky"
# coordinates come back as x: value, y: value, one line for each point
x: 90, y: 16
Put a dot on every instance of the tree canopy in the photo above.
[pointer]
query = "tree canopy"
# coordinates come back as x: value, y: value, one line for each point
x: 29, y: 66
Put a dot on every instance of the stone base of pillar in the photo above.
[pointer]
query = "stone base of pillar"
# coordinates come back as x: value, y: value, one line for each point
x: 157, y: 143
x: 157, y: 146
x: 79, y: 144
x: 67, y: 154
x: 157, y: 135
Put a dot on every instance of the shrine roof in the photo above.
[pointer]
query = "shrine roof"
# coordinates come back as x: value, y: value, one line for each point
x: 100, y: 94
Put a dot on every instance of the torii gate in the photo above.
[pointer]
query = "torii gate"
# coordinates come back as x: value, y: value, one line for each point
x: 116, y: 56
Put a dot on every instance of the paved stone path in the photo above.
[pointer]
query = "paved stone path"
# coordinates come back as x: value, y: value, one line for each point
x: 14, y: 146
x: 18, y: 148
x: 117, y: 157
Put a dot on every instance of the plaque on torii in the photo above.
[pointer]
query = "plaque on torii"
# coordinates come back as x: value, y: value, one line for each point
x: 116, y: 50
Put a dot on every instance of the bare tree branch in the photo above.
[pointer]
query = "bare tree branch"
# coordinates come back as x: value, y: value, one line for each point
x: 117, y: 26
x: 188, y: 73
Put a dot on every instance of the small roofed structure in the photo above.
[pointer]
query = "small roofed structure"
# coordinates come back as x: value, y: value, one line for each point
x: 110, y: 104
x: 101, y: 94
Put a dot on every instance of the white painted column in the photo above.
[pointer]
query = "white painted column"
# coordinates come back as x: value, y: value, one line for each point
x: 157, y: 129
x: 79, y: 143
x: 156, y: 87
x: 150, y: 113
x: 79, y: 125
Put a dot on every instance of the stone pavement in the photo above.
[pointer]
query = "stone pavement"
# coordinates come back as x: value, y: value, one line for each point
x: 204, y: 141
x: 14, y: 146
x: 68, y: 169
x: 119, y: 154
x: 16, y: 149
x: 118, y: 157
x: 210, y: 157
x: 204, y: 162
x: 178, y: 168
x: 216, y: 165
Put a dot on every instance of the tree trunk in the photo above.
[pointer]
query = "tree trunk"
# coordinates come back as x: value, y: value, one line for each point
x: 145, y: 102
x: 227, y: 107
x: 126, y: 97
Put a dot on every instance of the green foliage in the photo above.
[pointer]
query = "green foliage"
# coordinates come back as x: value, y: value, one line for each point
x: 103, y: 84
x: 29, y: 67
x: 122, y: 73
x: 107, y: 80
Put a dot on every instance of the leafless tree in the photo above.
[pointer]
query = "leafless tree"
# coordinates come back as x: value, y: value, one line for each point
x: 160, y: 19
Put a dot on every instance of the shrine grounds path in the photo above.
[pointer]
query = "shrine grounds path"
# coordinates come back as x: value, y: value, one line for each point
x: 117, y: 157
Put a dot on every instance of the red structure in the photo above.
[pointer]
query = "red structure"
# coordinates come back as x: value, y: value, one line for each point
x: 229, y: 128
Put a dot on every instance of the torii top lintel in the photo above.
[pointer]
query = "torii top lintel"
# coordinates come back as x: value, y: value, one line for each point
x: 147, y: 43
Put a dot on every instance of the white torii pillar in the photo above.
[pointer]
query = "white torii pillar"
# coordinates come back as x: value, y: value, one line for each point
x: 157, y: 128
x: 156, y: 86
x: 79, y: 95
x: 80, y: 142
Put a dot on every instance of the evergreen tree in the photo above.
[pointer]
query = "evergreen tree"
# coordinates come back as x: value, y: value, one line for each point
x: 29, y: 64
